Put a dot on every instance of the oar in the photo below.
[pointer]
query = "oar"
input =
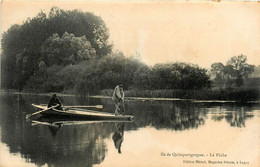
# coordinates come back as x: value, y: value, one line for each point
x: 96, y: 106
x: 44, y: 123
x: 29, y: 115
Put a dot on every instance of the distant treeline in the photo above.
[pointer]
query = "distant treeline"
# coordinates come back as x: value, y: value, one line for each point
x: 94, y: 75
x: 68, y: 52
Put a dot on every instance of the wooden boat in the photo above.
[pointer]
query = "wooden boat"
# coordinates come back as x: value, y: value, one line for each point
x: 68, y: 122
x: 78, y: 113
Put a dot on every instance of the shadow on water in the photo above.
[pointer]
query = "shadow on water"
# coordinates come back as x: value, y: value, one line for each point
x: 118, y: 136
x: 54, y: 130
x: 84, y: 144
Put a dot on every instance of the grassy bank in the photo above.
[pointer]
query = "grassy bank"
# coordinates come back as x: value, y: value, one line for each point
x: 208, y: 94
x: 239, y: 95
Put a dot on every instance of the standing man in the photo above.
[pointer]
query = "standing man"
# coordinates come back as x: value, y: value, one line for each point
x: 118, y: 98
x: 54, y: 101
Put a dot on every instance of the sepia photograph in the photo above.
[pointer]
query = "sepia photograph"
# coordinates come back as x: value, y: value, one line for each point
x: 120, y: 83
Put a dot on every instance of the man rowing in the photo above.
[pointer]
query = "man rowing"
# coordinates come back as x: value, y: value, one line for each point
x: 55, y: 101
x: 118, y: 98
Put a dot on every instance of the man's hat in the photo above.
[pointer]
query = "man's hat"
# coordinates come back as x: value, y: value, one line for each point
x: 121, y: 84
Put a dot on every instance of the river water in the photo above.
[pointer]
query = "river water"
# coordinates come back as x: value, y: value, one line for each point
x: 163, y: 133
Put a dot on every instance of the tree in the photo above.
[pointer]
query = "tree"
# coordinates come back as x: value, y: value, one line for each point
x: 256, y: 73
x: 217, y: 70
x: 66, y: 50
x: 142, y: 77
x: 192, y: 76
x: 81, y: 23
x: 179, y: 76
x: 236, y: 69
x: 10, y: 49
x: 165, y: 76
x: 239, y: 69
x: 22, y: 44
x: 46, y: 79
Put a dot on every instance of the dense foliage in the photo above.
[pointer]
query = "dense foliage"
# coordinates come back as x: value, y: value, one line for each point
x: 104, y: 73
x: 66, y: 50
x: 233, y: 73
x: 27, y: 46
x: 179, y: 76
x: 69, y: 52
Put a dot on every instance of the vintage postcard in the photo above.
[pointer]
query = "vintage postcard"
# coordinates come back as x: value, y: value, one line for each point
x: 130, y: 83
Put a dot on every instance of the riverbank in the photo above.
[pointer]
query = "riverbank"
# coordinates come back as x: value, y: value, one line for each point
x: 209, y: 95
x: 230, y: 95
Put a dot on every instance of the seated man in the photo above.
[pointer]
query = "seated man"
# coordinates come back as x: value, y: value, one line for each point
x: 54, y: 101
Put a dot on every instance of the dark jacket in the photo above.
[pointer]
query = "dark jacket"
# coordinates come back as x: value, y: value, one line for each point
x: 53, y: 102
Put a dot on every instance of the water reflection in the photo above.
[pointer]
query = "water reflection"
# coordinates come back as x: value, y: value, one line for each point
x: 55, y: 143
x: 81, y: 145
x: 70, y: 145
x: 238, y: 118
x: 235, y: 116
x: 118, y: 136
x: 54, y: 130
x: 53, y: 127
x: 174, y: 116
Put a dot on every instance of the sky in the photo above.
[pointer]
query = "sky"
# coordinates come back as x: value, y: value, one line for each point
x: 194, y: 32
